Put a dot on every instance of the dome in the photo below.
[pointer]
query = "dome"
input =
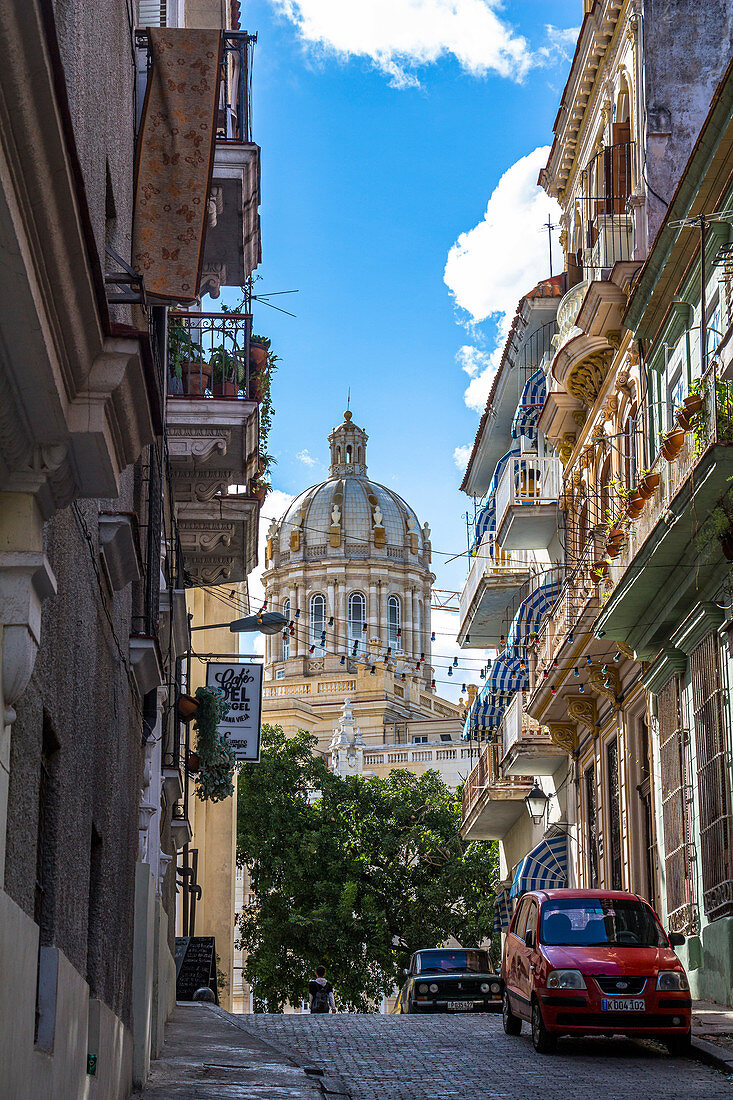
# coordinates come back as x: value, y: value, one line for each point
x: 349, y: 513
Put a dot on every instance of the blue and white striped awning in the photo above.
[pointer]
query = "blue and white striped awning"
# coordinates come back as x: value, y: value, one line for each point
x: 485, y: 714
x: 506, y: 675
x: 486, y: 520
x: 544, y: 868
x: 532, y: 611
x: 502, y: 912
x: 530, y: 406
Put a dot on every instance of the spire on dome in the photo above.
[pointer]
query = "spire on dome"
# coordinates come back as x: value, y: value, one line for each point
x: 348, y: 449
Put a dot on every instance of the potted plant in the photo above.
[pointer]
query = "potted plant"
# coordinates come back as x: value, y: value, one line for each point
x: 227, y: 373
x: 215, y: 779
x: 186, y: 361
x: 649, y: 484
x: 635, y: 505
x: 672, y: 443
x: 599, y: 569
x: 259, y: 346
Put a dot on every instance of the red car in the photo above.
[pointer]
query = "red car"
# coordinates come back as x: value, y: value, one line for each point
x: 593, y: 962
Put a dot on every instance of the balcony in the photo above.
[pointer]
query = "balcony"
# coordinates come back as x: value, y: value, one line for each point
x: 492, y: 803
x: 233, y: 245
x: 527, y: 503
x: 528, y: 748
x: 213, y: 434
x: 673, y: 556
x: 609, y: 225
x: 492, y: 580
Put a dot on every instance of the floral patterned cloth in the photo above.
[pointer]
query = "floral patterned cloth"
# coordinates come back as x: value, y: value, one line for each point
x: 175, y: 158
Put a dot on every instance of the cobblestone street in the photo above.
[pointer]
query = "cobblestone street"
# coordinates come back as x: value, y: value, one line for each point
x: 439, y: 1057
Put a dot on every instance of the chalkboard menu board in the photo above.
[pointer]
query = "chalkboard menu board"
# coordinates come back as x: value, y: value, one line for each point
x: 195, y: 966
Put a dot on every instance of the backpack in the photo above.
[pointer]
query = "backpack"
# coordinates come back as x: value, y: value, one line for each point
x: 320, y: 999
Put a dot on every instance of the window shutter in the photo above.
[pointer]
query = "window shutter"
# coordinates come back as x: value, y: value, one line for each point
x: 152, y: 13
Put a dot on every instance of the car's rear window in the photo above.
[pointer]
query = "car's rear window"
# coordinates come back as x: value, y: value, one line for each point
x: 454, y: 960
x: 620, y: 922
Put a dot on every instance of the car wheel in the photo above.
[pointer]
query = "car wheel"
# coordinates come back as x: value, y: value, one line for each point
x: 679, y: 1046
x: 512, y: 1023
x: 542, y: 1040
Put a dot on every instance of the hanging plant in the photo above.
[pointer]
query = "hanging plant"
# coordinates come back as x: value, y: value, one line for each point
x: 215, y: 779
x: 649, y: 484
x: 672, y: 443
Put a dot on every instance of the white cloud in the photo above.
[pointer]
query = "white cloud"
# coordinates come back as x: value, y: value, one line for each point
x: 306, y: 458
x: 561, y: 44
x: 491, y: 266
x: 461, y: 456
x: 400, y: 36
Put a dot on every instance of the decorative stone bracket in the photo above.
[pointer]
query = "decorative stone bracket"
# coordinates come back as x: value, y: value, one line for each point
x: 26, y: 580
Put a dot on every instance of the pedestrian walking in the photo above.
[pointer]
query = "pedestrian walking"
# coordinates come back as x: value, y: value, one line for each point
x: 320, y: 992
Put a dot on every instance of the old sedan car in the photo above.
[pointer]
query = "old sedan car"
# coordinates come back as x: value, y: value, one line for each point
x: 450, y: 980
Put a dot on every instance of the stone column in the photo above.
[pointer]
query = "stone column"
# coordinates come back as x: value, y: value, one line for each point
x: 341, y: 613
x: 407, y: 629
x: 373, y: 613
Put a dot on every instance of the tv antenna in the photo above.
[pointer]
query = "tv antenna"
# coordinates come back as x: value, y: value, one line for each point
x: 262, y: 297
x: 548, y: 225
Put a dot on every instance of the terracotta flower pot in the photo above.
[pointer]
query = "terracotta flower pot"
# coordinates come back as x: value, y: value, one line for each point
x: 648, y: 485
x: 635, y: 506
x: 682, y: 419
x: 614, y: 547
x: 692, y: 403
x: 192, y: 762
x: 257, y: 356
x: 599, y: 570
x: 187, y: 707
x: 224, y: 389
x: 196, y: 378
x: 672, y: 444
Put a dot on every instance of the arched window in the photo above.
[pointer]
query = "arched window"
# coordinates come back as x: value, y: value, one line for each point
x: 317, y: 622
x: 358, y: 454
x: 338, y: 456
x: 629, y: 448
x: 357, y: 619
x: 286, y: 632
x: 394, y: 623
x: 348, y: 453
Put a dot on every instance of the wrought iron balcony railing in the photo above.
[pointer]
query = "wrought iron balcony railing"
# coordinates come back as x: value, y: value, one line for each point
x: 208, y: 355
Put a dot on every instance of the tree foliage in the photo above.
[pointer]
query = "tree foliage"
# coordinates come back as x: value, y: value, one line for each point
x: 353, y: 873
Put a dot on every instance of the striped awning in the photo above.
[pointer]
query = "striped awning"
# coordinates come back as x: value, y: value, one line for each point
x: 506, y: 675
x: 544, y: 868
x: 532, y: 611
x: 502, y: 912
x: 530, y: 406
x: 486, y: 520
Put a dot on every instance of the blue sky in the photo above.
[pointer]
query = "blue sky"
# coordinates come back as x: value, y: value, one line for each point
x: 385, y: 129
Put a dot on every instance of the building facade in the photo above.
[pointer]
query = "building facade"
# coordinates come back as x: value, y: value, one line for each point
x: 629, y: 120
x: 111, y: 502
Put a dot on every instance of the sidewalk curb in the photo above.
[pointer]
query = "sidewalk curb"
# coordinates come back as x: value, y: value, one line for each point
x: 331, y: 1085
x: 712, y: 1054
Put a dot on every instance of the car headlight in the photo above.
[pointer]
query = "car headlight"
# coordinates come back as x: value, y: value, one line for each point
x: 434, y: 988
x: 484, y: 987
x: 672, y: 979
x: 422, y: 988
x: 565, y: 979
x: 495, y: 987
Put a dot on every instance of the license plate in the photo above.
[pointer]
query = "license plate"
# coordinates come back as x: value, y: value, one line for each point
x: 622, y: 1004
x: 460, y: 1006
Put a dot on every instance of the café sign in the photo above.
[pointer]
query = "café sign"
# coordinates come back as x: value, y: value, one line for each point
x: 240, y: 685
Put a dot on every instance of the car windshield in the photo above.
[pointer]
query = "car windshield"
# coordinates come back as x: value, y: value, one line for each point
x: 619, y: 922
x: 454, y: 960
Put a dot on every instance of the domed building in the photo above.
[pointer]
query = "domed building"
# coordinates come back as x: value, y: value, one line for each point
x: 349, y: 566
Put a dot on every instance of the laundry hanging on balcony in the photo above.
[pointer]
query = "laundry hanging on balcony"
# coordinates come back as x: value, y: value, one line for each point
x: 502, y: 912
x: 530, y: 406
x: 544, y: 868
x: 533, y: 610
x: 175, y: 158
x: 486, y: 520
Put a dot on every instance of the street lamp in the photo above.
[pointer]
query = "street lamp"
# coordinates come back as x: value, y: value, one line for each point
x: 267, y: 622
x: 536, y: 803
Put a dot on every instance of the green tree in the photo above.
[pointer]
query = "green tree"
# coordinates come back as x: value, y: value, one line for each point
x: 355, y: 873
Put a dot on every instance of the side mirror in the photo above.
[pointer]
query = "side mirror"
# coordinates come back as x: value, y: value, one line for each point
x: 529, y: 937
x: 676, y: 939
